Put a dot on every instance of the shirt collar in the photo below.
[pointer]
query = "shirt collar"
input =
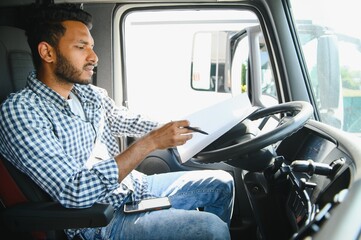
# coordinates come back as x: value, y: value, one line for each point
x: 49, y: 94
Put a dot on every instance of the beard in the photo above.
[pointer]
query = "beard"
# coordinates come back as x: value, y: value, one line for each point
x: 65, y: 71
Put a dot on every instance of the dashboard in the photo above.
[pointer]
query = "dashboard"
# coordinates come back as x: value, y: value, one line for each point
x: 317, y: 180
x: 320, y: 171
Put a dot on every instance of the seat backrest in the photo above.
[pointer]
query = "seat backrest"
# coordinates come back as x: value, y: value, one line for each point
x: 15, y: 64
x: 16, y: 187
x: 15, y: 60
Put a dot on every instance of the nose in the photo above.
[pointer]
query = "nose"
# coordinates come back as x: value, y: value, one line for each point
x: 92, y: 57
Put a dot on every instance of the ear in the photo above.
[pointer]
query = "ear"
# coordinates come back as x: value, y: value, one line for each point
x: 46, y: 52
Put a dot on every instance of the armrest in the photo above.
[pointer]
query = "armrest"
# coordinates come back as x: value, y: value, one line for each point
x: 33, y: 216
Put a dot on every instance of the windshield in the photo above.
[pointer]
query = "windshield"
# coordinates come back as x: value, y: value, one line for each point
x: 185, y: 57
x: 331, y: 45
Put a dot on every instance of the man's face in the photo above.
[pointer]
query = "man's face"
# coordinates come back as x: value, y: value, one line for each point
x: 75, y: 58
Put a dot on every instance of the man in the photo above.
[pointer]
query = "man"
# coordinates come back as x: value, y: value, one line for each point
x: 61, y: 131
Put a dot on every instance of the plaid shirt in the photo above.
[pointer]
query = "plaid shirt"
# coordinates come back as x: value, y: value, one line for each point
x: 43, y: 138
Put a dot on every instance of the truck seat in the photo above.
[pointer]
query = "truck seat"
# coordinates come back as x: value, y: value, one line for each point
x: 15, y: 60
x: 26, y: 211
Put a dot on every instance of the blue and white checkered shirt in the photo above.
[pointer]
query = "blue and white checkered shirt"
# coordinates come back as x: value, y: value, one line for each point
x: 43, y: 138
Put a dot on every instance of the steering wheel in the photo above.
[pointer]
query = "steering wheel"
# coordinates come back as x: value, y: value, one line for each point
x: 297, y: 112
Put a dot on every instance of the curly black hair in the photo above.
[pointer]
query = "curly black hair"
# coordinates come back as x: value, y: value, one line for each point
x: 45, y: 24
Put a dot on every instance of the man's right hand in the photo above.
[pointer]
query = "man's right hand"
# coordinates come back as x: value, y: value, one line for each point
x: 170, y: 135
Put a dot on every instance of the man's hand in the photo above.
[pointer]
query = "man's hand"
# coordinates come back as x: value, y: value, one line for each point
x: 169, y: 135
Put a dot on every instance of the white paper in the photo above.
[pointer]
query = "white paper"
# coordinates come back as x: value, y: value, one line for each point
x: 215, y: 120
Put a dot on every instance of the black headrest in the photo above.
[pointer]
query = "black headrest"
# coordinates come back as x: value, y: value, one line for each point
x: 15, y: 60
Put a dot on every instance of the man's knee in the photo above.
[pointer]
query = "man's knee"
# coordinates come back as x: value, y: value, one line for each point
x: 203, y: 226
x: 214, y: 227
x: 224, y: 178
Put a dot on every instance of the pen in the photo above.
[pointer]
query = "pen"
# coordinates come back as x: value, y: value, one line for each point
x: 196, y: 130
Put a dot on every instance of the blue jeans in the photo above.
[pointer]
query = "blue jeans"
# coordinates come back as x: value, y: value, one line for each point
x: 212, y: 190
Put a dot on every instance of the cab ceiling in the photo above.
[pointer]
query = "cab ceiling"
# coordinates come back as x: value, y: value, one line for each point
x: 11, y: 3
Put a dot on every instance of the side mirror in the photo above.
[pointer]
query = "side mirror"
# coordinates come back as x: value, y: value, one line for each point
x: 211, y: 62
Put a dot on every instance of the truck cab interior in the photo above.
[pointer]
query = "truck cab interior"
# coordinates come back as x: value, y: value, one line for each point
x: 297, y: 175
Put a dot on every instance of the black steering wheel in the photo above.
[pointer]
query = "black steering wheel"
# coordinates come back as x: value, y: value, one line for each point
x: 297, y: 112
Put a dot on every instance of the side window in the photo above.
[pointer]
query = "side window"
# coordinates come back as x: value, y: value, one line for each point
x: 251, y: 66
x: 240, y: 63
x: 268, y: 84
